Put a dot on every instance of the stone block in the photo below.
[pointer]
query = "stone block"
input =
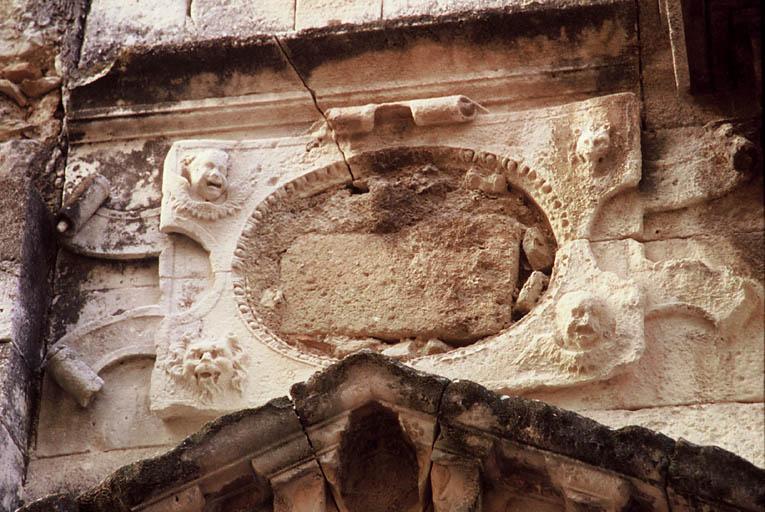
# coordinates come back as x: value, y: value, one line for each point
x: 72, y: 474
x: 324, y: 13
x: 11, y: 471
x: 117, y: 420
x: 405, y: 8
x: 240, y: 18
x: 113, y: 24
x: 15, y: 393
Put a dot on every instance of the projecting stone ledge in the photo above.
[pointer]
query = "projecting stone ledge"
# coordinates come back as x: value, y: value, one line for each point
x: 370, y: 434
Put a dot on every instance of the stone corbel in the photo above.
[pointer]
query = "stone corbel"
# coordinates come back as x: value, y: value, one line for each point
x: 585, y: 488
x: 390, y: 420
x: 302, y: 489
x: 296, y: 480
x: 456, y: 484
x: 425, y: 112
x: 189, y: 499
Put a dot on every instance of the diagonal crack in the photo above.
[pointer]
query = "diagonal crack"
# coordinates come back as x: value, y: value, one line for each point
x: 327, y: 485
x: 289, y: 60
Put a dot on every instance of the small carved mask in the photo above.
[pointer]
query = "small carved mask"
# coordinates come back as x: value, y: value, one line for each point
x: 207, y: 173
x: 209, y: 362
x: 593, y: 144
x: 582, y: 321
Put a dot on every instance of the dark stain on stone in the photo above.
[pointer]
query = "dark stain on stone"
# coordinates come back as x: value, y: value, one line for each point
x: 378, y: 464
x: 418, y: 391
x: 633, y: 451
x: 709, y: 472
x: 148, y: 75
x: 145, y: 75
x: 126, y: 169
x: 500, y: 28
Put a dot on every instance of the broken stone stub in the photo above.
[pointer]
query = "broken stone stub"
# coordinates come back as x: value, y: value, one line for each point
x: 74, y: 375
x: 531, y: 292
x: 82, y: 203
x: 538, y: 250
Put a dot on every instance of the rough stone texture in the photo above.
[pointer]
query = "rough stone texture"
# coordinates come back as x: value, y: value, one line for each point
x: 659, y: 220
x: 85, y: 470
x: 11, y: 470
x: 16, y: 393
x: 415, y: 272
x: 326, y: 13
x: 366, y: 428
x: 723, y: 425
x: 26, y: 251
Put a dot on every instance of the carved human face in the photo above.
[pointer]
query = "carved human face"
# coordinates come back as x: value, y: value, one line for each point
x: 593, y: 144
x: 582, y: 321
x: 208, y: 175
x: 209, y: 362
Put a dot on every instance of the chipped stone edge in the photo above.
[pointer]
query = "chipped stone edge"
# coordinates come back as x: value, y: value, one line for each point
x: 679, y: 468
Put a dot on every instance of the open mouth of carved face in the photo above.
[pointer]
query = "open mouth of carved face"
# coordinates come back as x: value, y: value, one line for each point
x: 214, y: 185
x: 583, y: 333
x: 215, y: 181
x: 206, y: 373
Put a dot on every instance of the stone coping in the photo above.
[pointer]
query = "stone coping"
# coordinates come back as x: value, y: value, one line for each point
x: 695, y: 474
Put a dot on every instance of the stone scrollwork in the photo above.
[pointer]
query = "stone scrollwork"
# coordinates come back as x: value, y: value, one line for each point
x: 460, y: 257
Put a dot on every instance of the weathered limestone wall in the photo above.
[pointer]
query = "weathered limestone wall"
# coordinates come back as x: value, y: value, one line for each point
x: 279, y: 88
x: 35, y: 48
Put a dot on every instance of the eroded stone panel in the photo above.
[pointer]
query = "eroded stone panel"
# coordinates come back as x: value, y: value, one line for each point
x: 411, y: 251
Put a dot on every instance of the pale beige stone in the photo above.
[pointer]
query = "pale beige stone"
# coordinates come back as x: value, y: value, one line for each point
x: 531, y: 292
x: 126, y: 24
x: 117, y: 420
x: 209, y: 17
x: 322, y: 13
x: 74, y: 375
x: 81, y: 470
x: 537, y: 250
x: 321, y: 291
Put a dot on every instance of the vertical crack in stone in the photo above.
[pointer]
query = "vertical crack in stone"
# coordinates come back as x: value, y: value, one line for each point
x: 428, y: 504
x: 315, y: 103
x: 327, y: 485
x: 79, y: 35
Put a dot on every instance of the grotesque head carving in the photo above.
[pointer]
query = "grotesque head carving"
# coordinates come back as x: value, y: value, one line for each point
x: 582, y: 320
x: 593, y: 144
x: 207, y: 174
x: 210, y: 367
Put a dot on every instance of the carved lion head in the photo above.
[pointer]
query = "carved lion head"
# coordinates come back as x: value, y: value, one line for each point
x: 209, y: 366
